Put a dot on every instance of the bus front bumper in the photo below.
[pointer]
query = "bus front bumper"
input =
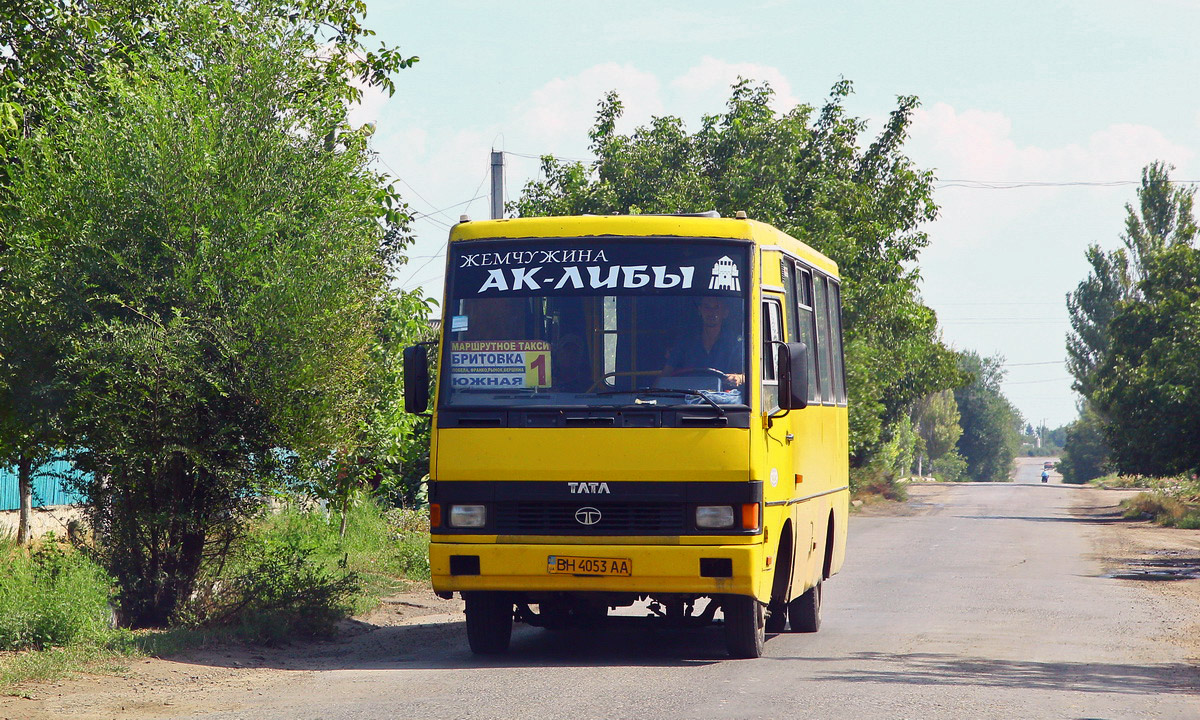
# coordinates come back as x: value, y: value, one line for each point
x: 689, y: 569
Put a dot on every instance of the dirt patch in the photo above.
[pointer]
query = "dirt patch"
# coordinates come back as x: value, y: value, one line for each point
x: 924, y: 498
x: 221, y: 679
x: 1165, y: 561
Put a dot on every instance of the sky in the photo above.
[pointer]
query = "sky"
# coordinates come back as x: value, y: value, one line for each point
x: 1066, y: 100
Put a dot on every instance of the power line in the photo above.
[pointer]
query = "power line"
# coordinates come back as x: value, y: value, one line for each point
x: 448, y: 207
x: 539, y: 157
x: 994, y: 303
x: 1032, y: 382
x: 1016, y: 184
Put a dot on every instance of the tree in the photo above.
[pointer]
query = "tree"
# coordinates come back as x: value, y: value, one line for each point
x: 1092, y: 306
x: 1085, y: 452
x: 1165, y: 220
x: 50, y: 48
x: 391, y: 458
x: 1162, y: 222
x: 990, y: 424
x: 806, y: 172
x: 936, y: 419
x: 213, y: 246
x: 1148, y: 387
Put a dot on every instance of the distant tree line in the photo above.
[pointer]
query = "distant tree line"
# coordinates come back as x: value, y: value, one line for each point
x: 1134, y: 349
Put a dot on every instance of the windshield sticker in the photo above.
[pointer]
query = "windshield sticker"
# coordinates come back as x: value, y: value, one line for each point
x: 725, y: 276
x: 619, y: 268
x: 500, y: 364
x: 458, y: 323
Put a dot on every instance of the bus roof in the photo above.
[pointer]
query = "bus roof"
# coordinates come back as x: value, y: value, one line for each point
x: 638, y: 225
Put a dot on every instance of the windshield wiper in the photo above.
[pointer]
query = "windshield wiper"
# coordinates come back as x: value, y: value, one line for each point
x: 668, y: 392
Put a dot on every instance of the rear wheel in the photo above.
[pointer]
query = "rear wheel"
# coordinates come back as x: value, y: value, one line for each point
x: 804, y: 612
x: 489, y: 622
x: 745, y: 626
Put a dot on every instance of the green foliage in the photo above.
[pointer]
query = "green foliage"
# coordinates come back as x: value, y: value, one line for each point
x: 1138, y: 283
x: 1085, y: 452
x: 296, y: 574
x: 936, y: 421
x: 1149, y: 384
x: 950, y: 467
x: 278, y: 590
x: 807, y: 172
x: 899, y: 453
x: 1092, y: 306
x: 990, y: 424
x: 205, y: 237
x: 53, y: 596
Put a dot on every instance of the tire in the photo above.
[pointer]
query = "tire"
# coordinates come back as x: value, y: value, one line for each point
x: 745, y: 626
x: 776, y: 617
x: 804, y: 613
x: 489, y: 622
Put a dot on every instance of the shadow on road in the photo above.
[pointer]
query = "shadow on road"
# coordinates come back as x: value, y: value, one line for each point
x: 941, y: 669
x: 1092, y: 519
x: 444, y: 646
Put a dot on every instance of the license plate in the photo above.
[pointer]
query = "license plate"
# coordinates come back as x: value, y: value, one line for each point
x: 571, y: 565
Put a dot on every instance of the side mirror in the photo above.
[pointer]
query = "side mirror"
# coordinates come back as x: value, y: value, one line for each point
x: 416, y: 379
x: 793, y: 375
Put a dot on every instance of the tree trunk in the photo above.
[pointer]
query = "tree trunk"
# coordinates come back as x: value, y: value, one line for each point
x: 25, y: 490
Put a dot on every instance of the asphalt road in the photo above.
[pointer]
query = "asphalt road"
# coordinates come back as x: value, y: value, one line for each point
x: 984, y: 601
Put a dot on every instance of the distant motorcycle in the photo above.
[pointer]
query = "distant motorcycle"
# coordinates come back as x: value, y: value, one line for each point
x: 1045, y: 476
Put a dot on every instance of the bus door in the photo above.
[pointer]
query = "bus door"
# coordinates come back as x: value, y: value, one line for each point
x: 780, y: 483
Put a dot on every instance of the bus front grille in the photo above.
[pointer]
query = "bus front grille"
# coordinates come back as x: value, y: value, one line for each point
x: 576, y: 518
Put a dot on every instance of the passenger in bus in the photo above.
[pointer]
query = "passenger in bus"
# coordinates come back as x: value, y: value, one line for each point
x: 717, y: 346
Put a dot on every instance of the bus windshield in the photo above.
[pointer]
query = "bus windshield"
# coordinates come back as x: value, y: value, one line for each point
x: 596, y: 322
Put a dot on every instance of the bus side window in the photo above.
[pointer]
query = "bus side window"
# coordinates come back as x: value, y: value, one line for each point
x: 772, y: 330
x: 787, y: 271
x: 822, y: 312
x: 808, y: 330
x: 835, y: 319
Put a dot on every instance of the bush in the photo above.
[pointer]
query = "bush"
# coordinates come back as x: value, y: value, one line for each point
x: 52, y: 597
x: 1190, y: 521
x: 874, y: 481
x: 295, y: 575
x: 950, y: 467
x: 1162, y: 509
x: 279, y: 590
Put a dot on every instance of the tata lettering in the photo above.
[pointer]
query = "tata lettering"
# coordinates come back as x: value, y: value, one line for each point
x: 585, y: 488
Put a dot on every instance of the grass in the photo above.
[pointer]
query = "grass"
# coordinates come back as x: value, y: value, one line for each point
x: 56, y: 618
x: 54, y: 614
x: 1113, y: 481
x: 1163, y: 510
x: 52, y: 596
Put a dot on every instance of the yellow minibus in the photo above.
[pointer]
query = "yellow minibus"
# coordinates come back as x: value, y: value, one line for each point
x: 637, y: 411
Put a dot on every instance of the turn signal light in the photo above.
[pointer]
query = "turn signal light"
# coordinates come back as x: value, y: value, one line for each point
x: 435, y: 515
x: 750, y: 516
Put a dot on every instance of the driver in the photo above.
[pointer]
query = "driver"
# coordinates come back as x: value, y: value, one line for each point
x: 717, y: 346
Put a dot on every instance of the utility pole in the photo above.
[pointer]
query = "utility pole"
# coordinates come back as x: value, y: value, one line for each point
x: 497, y: 185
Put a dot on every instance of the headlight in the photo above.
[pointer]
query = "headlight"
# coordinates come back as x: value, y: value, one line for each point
x: 714, y: 516
x: 468, y: 516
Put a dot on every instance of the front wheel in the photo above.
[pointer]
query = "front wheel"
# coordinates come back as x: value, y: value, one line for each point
x: 489, y: 622
x: 745, y: 626
x: 804, y: 612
